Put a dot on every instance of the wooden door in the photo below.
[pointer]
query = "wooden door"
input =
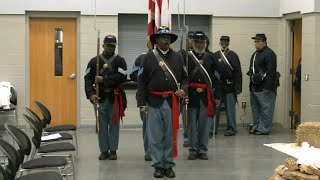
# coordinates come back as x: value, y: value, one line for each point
x: 296, y: 95
x: 53, y: 67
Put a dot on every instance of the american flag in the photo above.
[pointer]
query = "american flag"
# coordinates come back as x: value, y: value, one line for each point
x: 158, y: 15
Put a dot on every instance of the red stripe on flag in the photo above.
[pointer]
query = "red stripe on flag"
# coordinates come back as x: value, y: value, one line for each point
x: 151, y: 23
x: 155, y: 17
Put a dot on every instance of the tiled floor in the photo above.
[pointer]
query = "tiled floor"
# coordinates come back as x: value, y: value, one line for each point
x: 241, y: 157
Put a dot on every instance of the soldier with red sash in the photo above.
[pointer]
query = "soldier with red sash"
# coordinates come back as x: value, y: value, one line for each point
x: 201, y: 70
x: 112, y: 101
x: 162, y: 79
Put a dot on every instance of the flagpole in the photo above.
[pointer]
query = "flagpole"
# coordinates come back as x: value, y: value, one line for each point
x: 180, y: 28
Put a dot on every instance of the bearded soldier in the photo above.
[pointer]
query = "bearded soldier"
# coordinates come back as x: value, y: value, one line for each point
x: 201, y: 70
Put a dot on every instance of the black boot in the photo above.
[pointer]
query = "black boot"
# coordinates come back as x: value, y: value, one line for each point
x: 158, y: 172
x: 169, y: 173
x: 113, y: 155
x: 147, y: 157
x: 104, y: 156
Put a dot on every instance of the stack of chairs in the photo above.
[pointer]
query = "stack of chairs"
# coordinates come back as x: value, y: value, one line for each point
x: 72, y: 129
x: 48, y: 159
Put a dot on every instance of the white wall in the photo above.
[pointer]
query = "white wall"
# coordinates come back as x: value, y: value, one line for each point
x: 317, y: 5
x: 248, y: 8
x: 88, y: 49
x: 12, y: 54
x: 305, y: 6
x: 240, y: 31
x: 234, y: 8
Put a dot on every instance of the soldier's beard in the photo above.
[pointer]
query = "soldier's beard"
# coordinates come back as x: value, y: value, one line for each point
x: 199, y: 51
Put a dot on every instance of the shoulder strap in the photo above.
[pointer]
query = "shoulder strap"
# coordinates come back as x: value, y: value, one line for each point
x: 108, y: 62
x: 225, y: 59
x: 202, y: 70
x: 166, y: 69
x: 196, y: 68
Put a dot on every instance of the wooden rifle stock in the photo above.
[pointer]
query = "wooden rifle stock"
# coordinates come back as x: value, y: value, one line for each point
x: 97, y: 84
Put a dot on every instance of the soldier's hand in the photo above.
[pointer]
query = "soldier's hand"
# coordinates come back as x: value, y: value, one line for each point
x: 238, y: 91
x: 180, y: 93
x: 143, y: 109
x: 98, y: 79
x: 94, y: 99
x: 217, y: 101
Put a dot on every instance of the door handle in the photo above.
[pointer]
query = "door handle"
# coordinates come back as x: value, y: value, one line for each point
x: 72, y: 76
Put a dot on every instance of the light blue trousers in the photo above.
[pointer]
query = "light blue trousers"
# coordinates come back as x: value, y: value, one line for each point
x: 262, y: 104
x: 109, y: 131
x: 160, y: 135
x: 199, y: 127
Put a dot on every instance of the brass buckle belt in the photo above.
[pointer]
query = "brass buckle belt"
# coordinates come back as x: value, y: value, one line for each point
x: 199, y: 90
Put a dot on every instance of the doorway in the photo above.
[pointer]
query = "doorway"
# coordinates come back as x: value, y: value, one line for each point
x: 53, y: 66
x: 295, y: 112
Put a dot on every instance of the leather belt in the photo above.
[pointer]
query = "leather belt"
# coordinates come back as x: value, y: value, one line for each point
x: 110, y: 90
x: 107, y: 90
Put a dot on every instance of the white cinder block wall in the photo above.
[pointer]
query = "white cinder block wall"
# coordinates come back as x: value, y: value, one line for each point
x: 240, y: 31
x: 88, y: 49
x: 12, y: 54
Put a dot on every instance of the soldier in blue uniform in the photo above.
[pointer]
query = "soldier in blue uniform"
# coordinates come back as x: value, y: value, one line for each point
x: 230, y: 81
x: 162, y: 79
x: 263, y: 78
x: 112, y: 101
x: 201, y: 68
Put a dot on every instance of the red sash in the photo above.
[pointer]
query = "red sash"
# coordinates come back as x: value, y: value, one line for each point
x: 175, y: 117
x: 210, y: 111
x: 117, y: 95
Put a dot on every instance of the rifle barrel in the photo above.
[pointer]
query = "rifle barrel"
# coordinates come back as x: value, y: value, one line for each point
x: 97, y: 84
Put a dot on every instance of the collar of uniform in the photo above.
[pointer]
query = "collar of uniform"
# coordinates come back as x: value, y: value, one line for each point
x: 225, y: 50
x: 164, y: 52
x: 108, y: 56
x: 197, y: 55
x: 262, y: 49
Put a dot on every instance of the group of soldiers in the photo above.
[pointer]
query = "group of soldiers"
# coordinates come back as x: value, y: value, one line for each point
x: 197, y: 80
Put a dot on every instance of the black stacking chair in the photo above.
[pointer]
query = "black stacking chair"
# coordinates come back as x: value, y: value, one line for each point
x: 12, y: 167
x: 64, y: 136
x: 49, y: 149
x: 24, y: 151
x: 59, y: 128
x: 3, y: 174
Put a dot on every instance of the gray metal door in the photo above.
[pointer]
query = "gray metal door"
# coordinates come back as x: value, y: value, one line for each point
x: 133, y: 33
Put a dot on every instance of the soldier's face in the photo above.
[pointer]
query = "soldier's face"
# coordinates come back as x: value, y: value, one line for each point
x: 224, y: 45
x: 259, y: 44
x: 109, y: 49
x: 199, y: 46
x: 164, y: 42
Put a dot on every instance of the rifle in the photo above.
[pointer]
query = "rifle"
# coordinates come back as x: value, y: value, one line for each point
x: 96, y: 106
x: 186, y: 99
x: 187, y: 62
